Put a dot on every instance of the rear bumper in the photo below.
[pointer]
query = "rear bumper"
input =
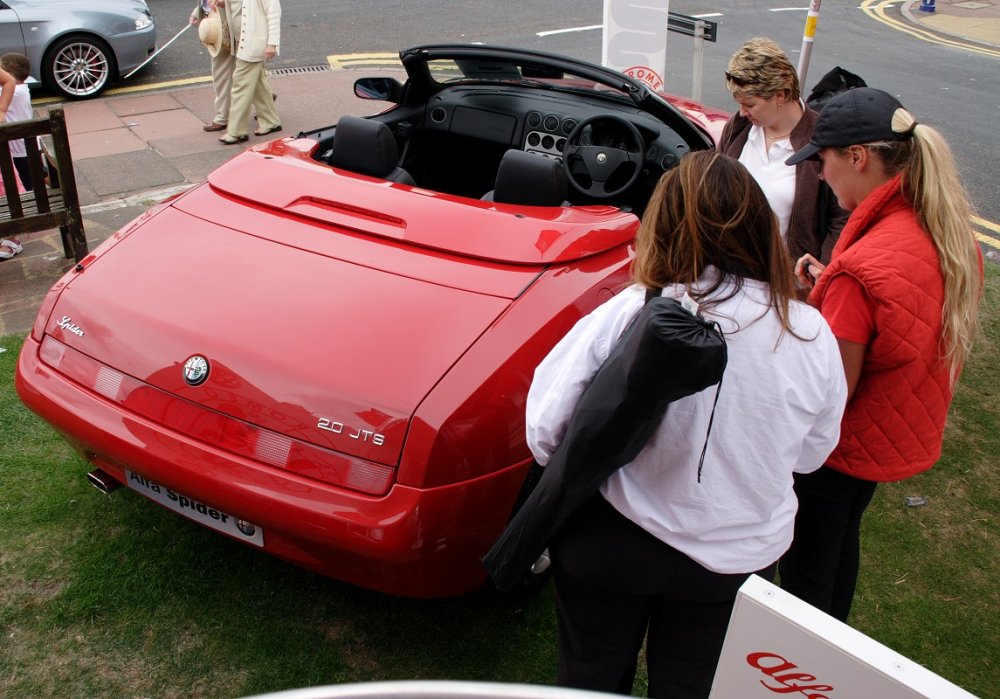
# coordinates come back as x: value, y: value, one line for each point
x: 411, y: 542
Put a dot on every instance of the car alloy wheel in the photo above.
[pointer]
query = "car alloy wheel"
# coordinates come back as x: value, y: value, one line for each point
x: 79, y: 66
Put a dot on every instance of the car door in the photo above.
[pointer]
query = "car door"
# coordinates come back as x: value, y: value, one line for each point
x: 25, y: 29
x: 11, y: 38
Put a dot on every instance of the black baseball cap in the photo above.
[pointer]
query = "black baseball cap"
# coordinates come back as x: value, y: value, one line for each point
x: 860, y: 115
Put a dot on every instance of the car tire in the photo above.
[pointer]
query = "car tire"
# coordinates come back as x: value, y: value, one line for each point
x: 79, y: 66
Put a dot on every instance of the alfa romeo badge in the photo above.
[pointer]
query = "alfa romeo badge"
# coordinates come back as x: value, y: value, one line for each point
x: 196, y: 370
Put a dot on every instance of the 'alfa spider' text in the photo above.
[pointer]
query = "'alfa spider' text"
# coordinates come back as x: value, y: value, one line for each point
x: 182, y: 501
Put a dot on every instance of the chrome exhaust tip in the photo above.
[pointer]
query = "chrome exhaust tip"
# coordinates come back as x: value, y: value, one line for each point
x: 103, y: 481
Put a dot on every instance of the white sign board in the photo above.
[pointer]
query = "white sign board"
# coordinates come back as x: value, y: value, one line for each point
x: 635, y: 39
x: 779, y: 645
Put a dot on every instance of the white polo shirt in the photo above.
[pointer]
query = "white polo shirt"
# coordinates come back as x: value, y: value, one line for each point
x: 779, y: 411
x: 767, y: 165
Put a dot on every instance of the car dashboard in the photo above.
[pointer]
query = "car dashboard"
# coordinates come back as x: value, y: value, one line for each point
x: 541, y: 123
x: 455, y: 141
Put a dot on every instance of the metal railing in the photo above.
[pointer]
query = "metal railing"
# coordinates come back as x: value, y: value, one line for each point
x: 702, y: 31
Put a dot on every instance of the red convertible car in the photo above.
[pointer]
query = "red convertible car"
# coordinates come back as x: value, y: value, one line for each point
x: 324, y: 350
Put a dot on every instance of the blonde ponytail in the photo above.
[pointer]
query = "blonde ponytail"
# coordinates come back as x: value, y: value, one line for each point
x: 931, y: 184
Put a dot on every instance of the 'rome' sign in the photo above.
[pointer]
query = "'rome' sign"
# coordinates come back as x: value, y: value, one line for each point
x: 635, y: 39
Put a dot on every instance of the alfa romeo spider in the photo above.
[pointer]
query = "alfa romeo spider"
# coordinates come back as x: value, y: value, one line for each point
x: 323, y: 351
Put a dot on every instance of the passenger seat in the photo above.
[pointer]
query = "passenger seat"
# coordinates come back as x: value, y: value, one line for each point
x: 367, y: 147
x: 530, y: 180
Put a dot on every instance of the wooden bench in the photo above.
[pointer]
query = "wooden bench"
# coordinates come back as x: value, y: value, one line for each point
x: 44, y: 208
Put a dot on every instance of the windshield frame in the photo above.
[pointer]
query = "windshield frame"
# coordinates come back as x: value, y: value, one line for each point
x: 491, y: 61
x: 422, y: 85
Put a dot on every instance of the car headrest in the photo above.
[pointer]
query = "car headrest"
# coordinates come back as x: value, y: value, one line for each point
x: 530, y: 179
x: 364, y: 146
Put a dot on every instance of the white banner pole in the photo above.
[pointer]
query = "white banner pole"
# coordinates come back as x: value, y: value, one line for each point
x: 635, y: 39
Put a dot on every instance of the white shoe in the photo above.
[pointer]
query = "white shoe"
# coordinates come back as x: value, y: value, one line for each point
x: 9, y: 248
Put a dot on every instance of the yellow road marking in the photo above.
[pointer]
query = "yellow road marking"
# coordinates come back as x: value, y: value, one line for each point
x: 350, y: 60
x: 986, y: 237
x: 992, y: 242
x: 985, y: 224
x: 135, y: 88
x: 876, y: 10
x: 344, y: 61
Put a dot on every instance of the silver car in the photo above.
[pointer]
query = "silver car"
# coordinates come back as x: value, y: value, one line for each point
x: 77, y: 47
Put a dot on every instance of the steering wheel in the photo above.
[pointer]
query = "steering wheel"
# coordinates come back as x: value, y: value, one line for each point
x: 592, y: 168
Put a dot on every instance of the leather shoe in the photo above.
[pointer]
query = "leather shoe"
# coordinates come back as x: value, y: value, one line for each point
x: 265, y: 132
x: 214, y: 126
x: 230, y: 140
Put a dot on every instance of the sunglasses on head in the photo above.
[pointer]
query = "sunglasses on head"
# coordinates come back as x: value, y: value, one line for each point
x: 739, y: 82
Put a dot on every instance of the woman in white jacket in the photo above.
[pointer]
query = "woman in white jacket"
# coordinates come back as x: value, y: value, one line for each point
x: 255, y: 26
x: 661, y: 552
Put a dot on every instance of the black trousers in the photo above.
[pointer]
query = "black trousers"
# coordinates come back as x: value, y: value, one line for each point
x: 821, y: 567
x: 21, y: 165
x: 617, y: 584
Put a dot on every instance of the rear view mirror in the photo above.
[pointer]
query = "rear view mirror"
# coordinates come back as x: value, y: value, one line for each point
x: 388, y: 89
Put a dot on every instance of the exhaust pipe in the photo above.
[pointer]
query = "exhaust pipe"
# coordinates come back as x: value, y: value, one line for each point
x: 103, y: 481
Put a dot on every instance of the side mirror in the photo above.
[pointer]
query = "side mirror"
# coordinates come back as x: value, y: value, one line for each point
x: 387, y: 89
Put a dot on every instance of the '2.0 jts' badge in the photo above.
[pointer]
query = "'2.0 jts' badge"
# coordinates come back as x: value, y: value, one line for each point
x: 196, y: 370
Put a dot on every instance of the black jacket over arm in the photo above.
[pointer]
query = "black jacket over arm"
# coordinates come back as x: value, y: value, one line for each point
x: 665, y: 354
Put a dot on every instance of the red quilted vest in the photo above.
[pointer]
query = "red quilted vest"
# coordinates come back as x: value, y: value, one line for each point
x: 894, y: 425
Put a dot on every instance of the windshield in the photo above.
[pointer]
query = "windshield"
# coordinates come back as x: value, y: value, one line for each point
x: 510, y: 71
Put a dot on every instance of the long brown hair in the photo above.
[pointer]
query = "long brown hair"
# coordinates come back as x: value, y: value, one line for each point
x: 709, y: 210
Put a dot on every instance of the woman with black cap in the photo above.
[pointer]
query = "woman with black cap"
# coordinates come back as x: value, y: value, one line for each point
x: 901, y: 294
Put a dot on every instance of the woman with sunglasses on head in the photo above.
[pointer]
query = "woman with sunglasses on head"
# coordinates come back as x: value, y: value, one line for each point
x: 661, y: 551
x: 901, y: 294
x: 771, y: 123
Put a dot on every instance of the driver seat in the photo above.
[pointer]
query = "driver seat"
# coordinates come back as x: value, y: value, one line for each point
x: 367, y: 147
x: 529, y: 179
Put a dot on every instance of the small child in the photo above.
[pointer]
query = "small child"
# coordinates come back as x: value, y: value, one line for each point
x: 20, y: 109
x: 8, y: 246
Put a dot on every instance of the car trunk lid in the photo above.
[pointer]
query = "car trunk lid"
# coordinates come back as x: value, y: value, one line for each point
x: 333, y: 352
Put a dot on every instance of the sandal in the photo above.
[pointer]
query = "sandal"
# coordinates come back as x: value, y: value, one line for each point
x: 265, y: 132
x: 230, y: 140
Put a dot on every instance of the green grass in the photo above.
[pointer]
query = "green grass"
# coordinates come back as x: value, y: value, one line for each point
x: 929, y: 574
x: 112, y: 596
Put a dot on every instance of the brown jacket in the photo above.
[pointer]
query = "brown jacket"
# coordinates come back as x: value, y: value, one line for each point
x: 816, y: 218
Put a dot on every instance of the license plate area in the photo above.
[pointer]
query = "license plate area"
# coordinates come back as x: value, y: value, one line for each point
x: 196, y: 511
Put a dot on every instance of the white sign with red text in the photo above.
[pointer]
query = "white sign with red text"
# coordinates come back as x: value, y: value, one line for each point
x: 777, y: 645
x: 635, y: 39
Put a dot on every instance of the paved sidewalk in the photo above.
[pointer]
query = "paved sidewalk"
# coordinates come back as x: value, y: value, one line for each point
x: 126, y: 145
x: 130, y: 151
x: 973, y: 20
